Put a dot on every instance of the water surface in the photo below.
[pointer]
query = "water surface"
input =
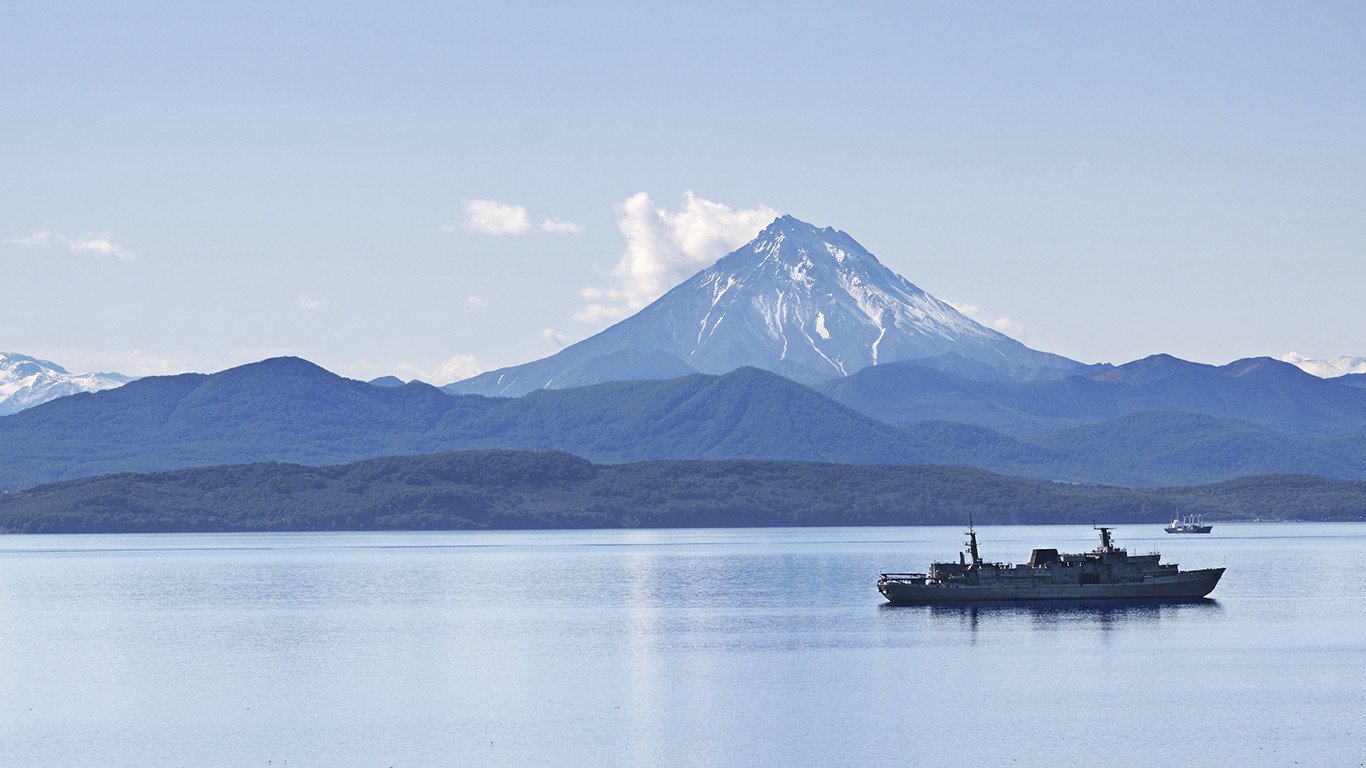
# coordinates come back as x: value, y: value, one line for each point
x: 635, y: 648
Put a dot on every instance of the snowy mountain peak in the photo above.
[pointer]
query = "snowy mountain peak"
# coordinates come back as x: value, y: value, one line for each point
x: 28, y: 381
x: 1327, y: 369
x: 826, y: 304
x: 793, y: 241
x: 810, y: 303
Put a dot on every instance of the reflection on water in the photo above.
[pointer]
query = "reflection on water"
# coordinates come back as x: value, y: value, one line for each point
x: 1055, y: 612
x: 1077, y: 619
x: 1062, y: 615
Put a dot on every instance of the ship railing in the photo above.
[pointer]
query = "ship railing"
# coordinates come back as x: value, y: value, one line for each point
x: 904, y: 576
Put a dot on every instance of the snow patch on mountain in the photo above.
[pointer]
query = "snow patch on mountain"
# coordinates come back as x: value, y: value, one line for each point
x: 28, y: 381
x: 1326, y: 369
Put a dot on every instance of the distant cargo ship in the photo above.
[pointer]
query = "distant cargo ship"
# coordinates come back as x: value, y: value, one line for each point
x: 1191, y: 524
x: 1105, y: 573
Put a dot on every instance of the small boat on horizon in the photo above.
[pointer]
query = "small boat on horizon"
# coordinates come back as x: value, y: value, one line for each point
x: 1190, y: 524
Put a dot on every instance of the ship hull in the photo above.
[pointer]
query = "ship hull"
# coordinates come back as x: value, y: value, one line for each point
x: 1183, y: 586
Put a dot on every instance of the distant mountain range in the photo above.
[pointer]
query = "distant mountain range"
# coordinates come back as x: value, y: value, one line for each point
x: 799, y: 346
x: 28, y: 381
x: 287, y: 409
x: 1262, y: 391
x: 510, y: 489
x: 804, y: 302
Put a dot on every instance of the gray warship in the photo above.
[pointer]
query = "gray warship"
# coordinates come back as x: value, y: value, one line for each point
x: 1105, y: 573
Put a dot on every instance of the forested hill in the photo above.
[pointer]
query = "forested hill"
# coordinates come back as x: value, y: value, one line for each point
x: 524, y: 490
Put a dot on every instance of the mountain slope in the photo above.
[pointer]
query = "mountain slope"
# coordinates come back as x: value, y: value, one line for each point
x: 804, y: 302
x: 1154, y: 448
x: 1357, y: 380
x: 280, y: 410
x: 27, y: 381
x: 288, y: 409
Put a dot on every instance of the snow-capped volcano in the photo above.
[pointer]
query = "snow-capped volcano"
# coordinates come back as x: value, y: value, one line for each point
x: 27, y: 381
x: 809, y: 303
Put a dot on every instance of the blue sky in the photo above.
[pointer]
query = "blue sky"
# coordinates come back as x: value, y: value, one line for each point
x: 189, y: 186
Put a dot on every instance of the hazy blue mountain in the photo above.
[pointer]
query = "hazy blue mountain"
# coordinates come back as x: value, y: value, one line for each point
x: 291, y: 410
x: 1151, y: 448
x: 1351, y: 380
x: 386, y: 381
x: 804, y: 302
x: 1262, y: 391
x: 948, y: 442
x: 288, y: 409
x: 977, y: 370
x: 27, y: 381
x: 624, y: 365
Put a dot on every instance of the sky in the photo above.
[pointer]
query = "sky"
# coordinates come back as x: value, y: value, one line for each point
x: 430, y: 190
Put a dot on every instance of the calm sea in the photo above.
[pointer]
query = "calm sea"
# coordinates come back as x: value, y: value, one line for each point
x: 682, y: 648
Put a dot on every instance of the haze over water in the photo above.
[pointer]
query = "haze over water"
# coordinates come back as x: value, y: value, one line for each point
x: 687, y: 647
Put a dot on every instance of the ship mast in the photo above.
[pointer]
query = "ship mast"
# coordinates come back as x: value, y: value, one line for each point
x: 1105, y: 543
x: 972, y: 545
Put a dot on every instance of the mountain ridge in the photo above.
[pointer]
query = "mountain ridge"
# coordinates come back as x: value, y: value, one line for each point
x: 290, y: 410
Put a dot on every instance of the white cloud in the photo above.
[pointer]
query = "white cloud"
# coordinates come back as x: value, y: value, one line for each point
x: 100, y: 244
x: 1008, y: 327
x: 1326, y: 369
x: 475, y: 301
x: 556, y: 227
x: 41, y: 237
x: 555, y: 337
x: 491, y: 217
x: 458, y: 367
x: 1003, y: 324
x: 664, y: 247
x: 309, y: 303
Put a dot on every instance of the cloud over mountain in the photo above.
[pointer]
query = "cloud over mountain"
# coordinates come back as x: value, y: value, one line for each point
x: 663, y: 247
